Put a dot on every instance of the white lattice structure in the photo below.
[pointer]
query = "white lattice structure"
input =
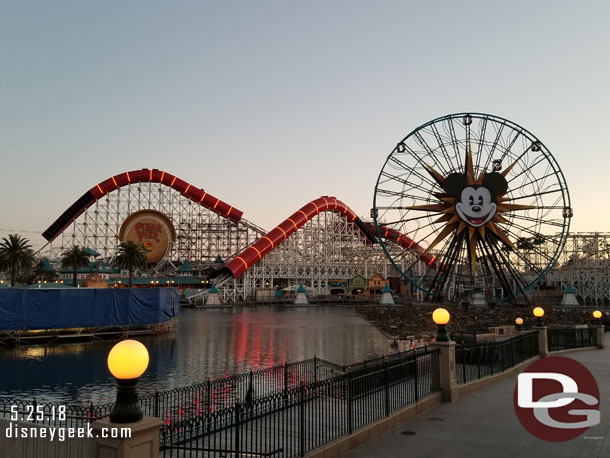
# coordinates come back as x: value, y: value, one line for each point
x: 201, y: 234
x: 328, y: 248
x: 585, y: 264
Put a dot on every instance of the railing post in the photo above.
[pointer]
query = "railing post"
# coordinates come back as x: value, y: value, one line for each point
x: 315, y: 368
x: 302, y: 418
x: 501, y: 346
x: 491, y: 358
x: 601, y: 336
x: 543, y: 341
x: 209, y: 395
x: 34, y: 405
x: 386, y: 383
x: 156, y: 409
x: 416, y: 377
x: 446, y: 361
x: 237, y: 422
x: 350, y: 407
x: 285, y: 383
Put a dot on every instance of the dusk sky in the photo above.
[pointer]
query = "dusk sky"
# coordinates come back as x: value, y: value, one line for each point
x: 269, y: 104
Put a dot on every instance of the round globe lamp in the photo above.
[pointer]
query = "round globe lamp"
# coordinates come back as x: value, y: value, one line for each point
x: 127, y: 361
x: 519, y: 323
x: 598, y: 316
x: 539, y: 313
x: 441, y: 317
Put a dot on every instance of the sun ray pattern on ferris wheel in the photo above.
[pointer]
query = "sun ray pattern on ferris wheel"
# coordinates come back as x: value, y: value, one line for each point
x: 481, y: 195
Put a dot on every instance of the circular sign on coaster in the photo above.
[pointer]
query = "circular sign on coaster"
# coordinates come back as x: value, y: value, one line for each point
x: 152, y: 229
x: 557, y: 399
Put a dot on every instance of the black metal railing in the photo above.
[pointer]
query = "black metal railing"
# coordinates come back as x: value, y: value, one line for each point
x: 300, y: 419
x: 191, y: 401
x: 570, y: 338
x: 478, y: 360
x: 195, y: 400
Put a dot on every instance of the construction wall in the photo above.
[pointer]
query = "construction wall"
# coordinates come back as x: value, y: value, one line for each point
x: 26, y: 309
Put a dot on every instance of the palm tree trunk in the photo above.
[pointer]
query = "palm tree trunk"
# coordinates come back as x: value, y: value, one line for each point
x: 130, y: 276
x: 74, y: 277
x: 13, y: 273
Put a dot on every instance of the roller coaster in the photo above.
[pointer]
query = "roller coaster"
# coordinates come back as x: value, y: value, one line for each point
x: 320, y: 245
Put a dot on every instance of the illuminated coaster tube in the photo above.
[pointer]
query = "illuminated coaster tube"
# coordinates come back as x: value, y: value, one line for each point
x: 255, y: 252
x: 139, y: 176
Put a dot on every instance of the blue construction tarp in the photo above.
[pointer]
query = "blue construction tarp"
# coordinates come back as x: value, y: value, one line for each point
x: 24, y: 309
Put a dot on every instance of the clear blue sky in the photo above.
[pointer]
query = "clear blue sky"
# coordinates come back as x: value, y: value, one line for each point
x: 268, y: 104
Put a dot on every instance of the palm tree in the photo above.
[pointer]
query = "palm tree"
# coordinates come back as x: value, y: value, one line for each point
x: 75, y: 257
x: 130, y: 255
x: 16, y: 255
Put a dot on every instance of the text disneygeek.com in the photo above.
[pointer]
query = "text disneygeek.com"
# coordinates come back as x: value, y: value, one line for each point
x: 61, y: 433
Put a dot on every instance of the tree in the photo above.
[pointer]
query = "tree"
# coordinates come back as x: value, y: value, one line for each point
x: 16, y: 255
x: 130, y: 255
x: 44, y: 271
x: 75, y: 257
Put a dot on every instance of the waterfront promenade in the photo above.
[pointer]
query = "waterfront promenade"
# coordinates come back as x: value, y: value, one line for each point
x: 483, y: 424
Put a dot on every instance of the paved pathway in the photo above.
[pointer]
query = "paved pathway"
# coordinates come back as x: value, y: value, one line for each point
x: 483, y: 424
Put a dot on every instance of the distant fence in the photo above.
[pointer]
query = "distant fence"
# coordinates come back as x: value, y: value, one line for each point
x: 571, y: 338
x: 478, y: 360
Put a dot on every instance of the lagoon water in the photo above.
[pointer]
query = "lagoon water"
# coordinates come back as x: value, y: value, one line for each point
x: 207, y: 343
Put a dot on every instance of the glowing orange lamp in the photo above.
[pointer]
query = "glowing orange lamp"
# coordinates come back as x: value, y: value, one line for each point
x: 539, y: 313
x: 127, y: 361
x: 519, y: 323
x: 441, y: 317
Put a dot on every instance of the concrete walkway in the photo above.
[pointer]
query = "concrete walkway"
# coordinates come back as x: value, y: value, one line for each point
x: 483, y: 424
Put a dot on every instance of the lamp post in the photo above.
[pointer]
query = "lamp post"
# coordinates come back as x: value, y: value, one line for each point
x: 127, y: 361
x: 598, y: 316
x: 441, y: 316
x: 519, y: 323
x: 539, y: 313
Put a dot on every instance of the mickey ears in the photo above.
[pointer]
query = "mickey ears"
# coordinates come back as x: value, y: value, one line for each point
x: 454, y: 184
x: 496, y: 183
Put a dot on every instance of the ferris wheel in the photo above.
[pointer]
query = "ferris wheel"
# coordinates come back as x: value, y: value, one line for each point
x: 477, y: 202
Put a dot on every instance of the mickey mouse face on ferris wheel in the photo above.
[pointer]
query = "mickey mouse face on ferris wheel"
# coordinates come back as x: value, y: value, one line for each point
x: 476, y: 205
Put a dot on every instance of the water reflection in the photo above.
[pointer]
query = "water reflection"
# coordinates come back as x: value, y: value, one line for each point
x: 207, y: 343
